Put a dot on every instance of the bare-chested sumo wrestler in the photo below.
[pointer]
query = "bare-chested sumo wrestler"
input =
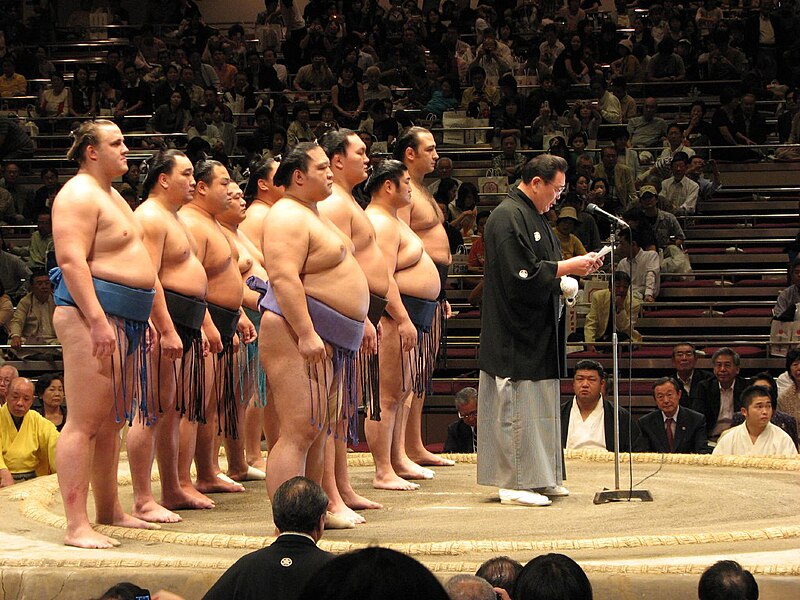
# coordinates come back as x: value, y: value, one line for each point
x: 260, y: 194
x: 413, y: 289
x: 103, y: 292
x: 312, y: 322
x: 222, y: 321
x: 250, y: 385
x: 417, y: 150
x: 349, y: 163
x: 178, y: 313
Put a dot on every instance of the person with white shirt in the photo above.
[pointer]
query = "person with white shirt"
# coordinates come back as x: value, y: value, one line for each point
x: 679, y: 193
x: 674, y: 145
x: 719, y: 397
x: 756, y: 436
x: 444, y: 170
x: 587, y: 421
x: 643, y: 266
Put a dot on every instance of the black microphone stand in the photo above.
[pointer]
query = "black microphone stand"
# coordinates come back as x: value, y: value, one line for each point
x: 617, y: 494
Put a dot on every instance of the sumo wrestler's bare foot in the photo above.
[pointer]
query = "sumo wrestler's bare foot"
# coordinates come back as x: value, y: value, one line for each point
x: 356, y: 502
x: 153, y: 512
x: 186, y: 498
x: 250, y: 474
x: 393, y: 482
x: 344, y: 512
x: 408, y: 469
x: 126, y: 520
x: 424, y: 458
x: 86, y: 537
x: 221, y: 484
x: 259, y: 463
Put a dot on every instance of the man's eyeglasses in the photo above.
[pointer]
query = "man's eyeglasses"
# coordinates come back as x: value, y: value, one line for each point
x: 469, y: 415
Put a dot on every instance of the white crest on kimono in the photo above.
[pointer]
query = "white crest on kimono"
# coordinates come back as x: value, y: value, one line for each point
x: 537, y: 236
x: 523, y: 273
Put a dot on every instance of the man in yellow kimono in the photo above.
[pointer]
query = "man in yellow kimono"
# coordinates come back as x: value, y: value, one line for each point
x: 27, y: 439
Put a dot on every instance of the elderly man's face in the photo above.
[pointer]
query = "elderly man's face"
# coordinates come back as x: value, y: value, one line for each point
x: 469, y: 413
x: 6, y: 375
x: 683, y: 357
x: 41, y: 288
x: 20, y: 397
x: 650, y: 109
x: 667, y: 398
x: 725, y: 370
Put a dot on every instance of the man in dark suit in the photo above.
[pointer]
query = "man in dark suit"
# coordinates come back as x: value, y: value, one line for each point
x: 462, y: 435
x: 588, y: 420
x: 684, y: 359
x: 672, y: 428
x: 279, y: 571
x: 718, y: 398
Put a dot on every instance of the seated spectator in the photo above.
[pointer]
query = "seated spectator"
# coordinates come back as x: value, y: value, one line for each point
x: 32, y: 322
x: 786, y: 114
x: 789, y: 385
x: 42, y: 199
x: 327, y: 120
x: 649, y: 130
x: 724, y: 131
x: 719, y: 397
x: 695, y: 172
x: 608, y: 105
x: 785, y: 306
x: 627, y: 105
x: 599, y: 325
x: 699, y: 132
x: 373, y: 574
x: 7, y: 374
x: 108, y: 97
x: 171, y: 117
x: 50, y: 395
x: 280, y: 570
x: 195, y: 92
x: 469, y: 587
x: 551, y: 47
x: 261, y: 75
x: 299, y: 129
x: 202, y: 128
x: 583, y: 117
x: 723, y: 62
x: 83, y: 93
x: 547, y: 92
x: 477, y: 257
x: 222, y: 119
x: 27, y: 439
x: 627, y: 68
x: 565, y: 224
x: 373, y: 88
x: 645, y: 280
x: 445, y: 98
x: 664, y: 226
x: 11, y: 82
x: 679, y: 193
x: 672, y: 428
x: 570, y: 66
x: 750, y: 123
x: 619, y: 176
x: 509, y: 119
x: 550, y: 576
x: 666, y: 65
x: 464, y: 209
x: 675, y: 144
x: 315, y: 76
x: 726, y: 579
x: 462, y: 435
x: 757, y: 436
x: 240, y: 98
x: 587, y: 422
x: 169, y: 85
x: 684, y: 360
x: 20, y: 194
x: 784, y: 420
x: 572, y: 13
x: 136, y: 98
x: 55, y: 101
x: 480, y: 98
x: 545, y: 125
x: 578, y: 142
x: 444, y: 170
x: 598, y: 194
x: 278, y: 148
x: 347, y: 97
x: 493, y: 57
x: 501, y: 572
x: 586, y: 229
x: 225, y: 71
x: 509, y: 162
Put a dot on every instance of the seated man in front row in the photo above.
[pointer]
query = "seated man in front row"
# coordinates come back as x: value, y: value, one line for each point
x: 756, y: 436
x: 281, y: 569
x: 462, y: 435
x: 672, y: 428
x: 27, y: 439
x: 588, y: 420
x: 719, y: 397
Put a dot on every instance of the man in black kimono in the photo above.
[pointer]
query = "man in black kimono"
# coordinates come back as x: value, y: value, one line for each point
x: 522, y: 343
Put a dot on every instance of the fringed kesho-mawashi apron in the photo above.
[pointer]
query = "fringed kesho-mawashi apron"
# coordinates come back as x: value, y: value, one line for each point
x: 440, y: 322
x: 226, y: 321
x: 344, y: 335
x: 422, y: 359
x: 187, y: 315
x: 252, y: 378
x: 369, y: 375
x: 129, y: 309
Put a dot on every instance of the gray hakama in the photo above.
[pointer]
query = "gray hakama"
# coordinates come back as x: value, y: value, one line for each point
x: 519, y: 439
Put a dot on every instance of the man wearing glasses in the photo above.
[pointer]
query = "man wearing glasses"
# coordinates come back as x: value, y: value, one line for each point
x: 522, y: 340
x: 684, y: 359
x: 462, y: 435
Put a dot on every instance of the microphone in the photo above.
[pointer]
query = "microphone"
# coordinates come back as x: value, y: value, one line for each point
x: 593, y: 209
